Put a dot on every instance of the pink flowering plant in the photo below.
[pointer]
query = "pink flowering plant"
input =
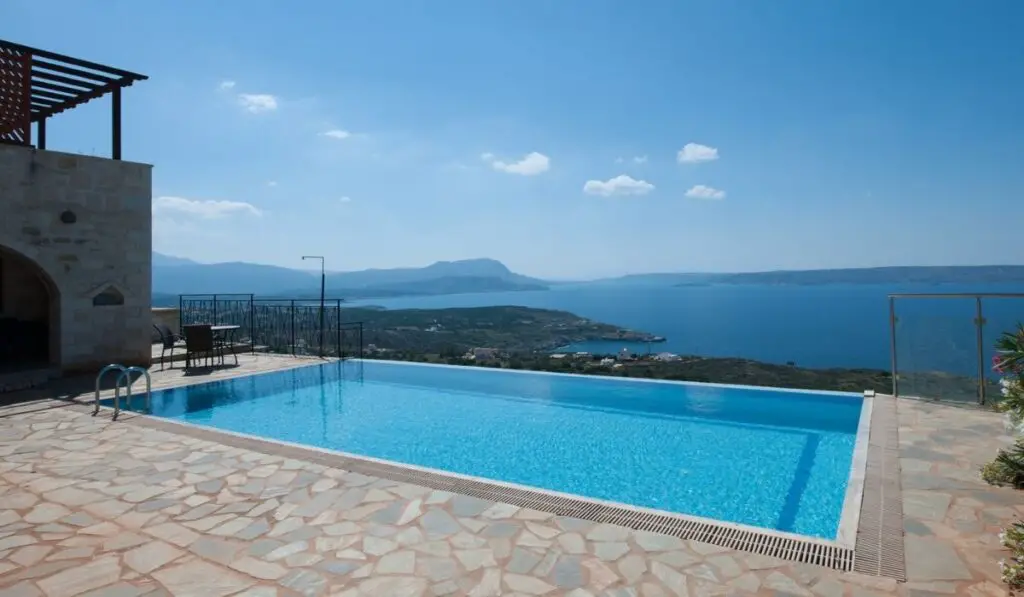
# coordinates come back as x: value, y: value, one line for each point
x: 1008, y: 466
x: 1010, y: 357
x: 1009, y: 363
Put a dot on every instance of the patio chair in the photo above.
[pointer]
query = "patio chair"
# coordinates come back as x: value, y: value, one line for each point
x: 168, y: 342
x: 198, y: 342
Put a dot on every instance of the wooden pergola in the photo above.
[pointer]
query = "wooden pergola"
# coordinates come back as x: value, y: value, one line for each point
x: 36, y: 84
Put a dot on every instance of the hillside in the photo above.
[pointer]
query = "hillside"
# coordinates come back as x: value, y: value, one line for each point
x: 968, y: 274
x: 467, y: 268
x: 161, y: 260
x: 983, y: 274
x: 174, y: 275
x: 203, y: 278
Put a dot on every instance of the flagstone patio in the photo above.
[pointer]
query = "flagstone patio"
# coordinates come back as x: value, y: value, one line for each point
x: 90, y: 506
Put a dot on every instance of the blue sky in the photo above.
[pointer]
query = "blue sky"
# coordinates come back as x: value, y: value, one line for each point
x: 553, y: 135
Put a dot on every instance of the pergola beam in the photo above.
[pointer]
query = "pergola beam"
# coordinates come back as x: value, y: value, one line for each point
x: 37, y: 84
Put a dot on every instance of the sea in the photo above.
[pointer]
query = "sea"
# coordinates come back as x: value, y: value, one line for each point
x: 817, y: 326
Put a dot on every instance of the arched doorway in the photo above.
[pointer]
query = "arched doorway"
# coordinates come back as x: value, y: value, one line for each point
x: 29, y: 314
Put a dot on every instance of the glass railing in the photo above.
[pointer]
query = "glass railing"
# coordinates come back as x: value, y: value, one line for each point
x: 943, y: 344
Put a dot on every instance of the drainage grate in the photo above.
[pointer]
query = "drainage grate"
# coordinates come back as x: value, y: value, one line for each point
x: 705, y: 531
x: 879, y: 547
x: 787, y: 548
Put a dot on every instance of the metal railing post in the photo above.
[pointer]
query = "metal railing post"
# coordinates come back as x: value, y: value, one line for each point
x: 293, y: 326
x: 360, y: 340
x: 252, y: 323
x: 892, y: 346
x: 214, y: 322
x: 979, y: 323
x: 181, y: 312
x: 339, y: 329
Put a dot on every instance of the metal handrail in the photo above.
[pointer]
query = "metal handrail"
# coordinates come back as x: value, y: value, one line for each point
x: 126, y: 375
x: 99, y: 378
x: 979, y: 323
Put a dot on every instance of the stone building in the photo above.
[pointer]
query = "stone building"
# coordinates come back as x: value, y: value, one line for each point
x: 75, y: 230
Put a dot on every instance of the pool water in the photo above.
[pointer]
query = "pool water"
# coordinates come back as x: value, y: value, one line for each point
x: 770, y: 458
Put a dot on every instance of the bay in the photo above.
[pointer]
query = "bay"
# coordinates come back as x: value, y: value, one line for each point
x: 818, y: 326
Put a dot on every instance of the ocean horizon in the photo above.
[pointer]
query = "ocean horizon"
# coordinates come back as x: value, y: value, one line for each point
x: 819, y: 326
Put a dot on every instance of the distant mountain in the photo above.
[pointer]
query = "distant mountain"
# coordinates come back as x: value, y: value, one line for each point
x: 207, y: 278
x: 459, y: 284
x: 469, y: 268
x: 658, y: 280
x: 159, y: 259
x: 171, y: 276
x: 969, y: 274
x: 966, y: 274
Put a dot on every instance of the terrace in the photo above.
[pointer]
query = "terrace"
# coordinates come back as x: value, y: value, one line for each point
x: 144, y: 505
x: 193, y: 510
x: 38, y: 85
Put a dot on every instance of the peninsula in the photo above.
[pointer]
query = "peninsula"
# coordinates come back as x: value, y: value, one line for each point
x: 509, y: 329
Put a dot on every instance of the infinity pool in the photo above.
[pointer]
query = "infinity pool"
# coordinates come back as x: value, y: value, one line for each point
x: 769, y: 458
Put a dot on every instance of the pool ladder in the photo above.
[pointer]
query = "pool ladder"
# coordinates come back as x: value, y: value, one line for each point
x: 126, y: 377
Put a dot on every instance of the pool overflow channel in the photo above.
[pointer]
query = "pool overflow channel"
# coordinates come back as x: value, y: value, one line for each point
x: 125, y: 375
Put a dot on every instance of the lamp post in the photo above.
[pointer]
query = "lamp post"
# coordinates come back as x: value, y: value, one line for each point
x: 323, y: 278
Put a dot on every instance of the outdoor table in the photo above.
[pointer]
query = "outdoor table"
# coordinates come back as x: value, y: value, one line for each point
x: 226, y: 337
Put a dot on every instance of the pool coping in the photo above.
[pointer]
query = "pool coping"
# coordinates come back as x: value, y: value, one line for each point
x: 858, y: 535
x: 849, y: 517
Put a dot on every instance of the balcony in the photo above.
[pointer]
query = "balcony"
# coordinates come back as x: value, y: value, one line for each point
x: 36, y: 85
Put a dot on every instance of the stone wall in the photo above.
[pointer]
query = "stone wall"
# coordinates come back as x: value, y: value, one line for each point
x: 86, y: 222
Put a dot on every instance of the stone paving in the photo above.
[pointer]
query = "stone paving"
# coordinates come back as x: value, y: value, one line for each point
x: 89, y: 506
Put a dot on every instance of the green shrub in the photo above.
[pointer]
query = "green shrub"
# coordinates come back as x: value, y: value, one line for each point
x: 1012, y: 569
x: 1008, y: 467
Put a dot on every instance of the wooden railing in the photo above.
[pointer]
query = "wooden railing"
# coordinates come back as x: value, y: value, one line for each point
x: 15, y: 97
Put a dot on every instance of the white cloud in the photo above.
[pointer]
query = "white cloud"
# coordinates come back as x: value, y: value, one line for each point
x: 694, y: 153
x: 531, y: 164
x: 345, y: 199
x: 272, y: 183
x: 257, y: 102
x: 251, y: 102
x: 640, y: 159
x: 620, y: 185
x: 705, y: 192
x: 336, y: 134
x: 203, y: 209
